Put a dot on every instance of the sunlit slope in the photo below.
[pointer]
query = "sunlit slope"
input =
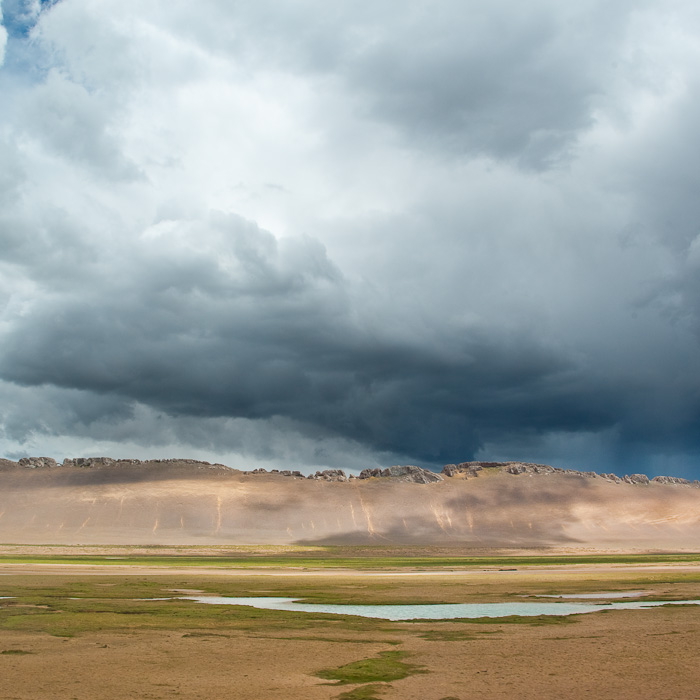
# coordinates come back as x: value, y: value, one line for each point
x: 182, y: 504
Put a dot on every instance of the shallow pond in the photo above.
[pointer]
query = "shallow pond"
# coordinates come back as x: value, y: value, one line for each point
x: 448, y: 611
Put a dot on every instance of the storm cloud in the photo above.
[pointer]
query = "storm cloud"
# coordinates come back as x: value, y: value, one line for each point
x: 313, y: 235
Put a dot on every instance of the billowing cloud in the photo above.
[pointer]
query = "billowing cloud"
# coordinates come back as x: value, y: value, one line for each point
x: 334, y: 235
x: 3, y: 39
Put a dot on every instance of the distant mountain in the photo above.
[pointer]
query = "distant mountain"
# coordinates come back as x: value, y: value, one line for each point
x: 477, y: 504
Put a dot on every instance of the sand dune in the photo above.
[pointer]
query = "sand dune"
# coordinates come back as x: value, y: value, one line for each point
x: 179, y: 502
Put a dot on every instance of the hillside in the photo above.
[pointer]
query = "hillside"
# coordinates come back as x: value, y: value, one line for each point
x: 476, y: 504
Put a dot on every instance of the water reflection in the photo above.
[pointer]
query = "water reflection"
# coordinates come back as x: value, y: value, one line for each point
x: 447, y: 611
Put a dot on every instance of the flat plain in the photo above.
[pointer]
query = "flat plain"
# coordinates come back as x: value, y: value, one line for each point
x: 87, y: 622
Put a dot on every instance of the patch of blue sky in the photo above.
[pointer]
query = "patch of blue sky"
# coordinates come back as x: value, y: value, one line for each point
x: 20, y: 16
x: 26, y: 61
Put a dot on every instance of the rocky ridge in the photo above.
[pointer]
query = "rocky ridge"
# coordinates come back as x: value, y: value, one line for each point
x: 409, y: 472
x: 472, y: 469
x: 105, y: 462
x: 403, y: 473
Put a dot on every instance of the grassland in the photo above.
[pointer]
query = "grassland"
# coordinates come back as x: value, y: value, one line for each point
x: 67, y: 634
x: 355, y: 558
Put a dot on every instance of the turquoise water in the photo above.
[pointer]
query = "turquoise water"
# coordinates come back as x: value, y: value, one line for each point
x: 447, y: 611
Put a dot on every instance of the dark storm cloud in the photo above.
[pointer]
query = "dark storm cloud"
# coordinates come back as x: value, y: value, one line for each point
x: 55, y: 411
x: 260, y: 330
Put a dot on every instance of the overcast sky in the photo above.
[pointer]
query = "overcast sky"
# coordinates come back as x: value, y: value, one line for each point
x: 315, y: 234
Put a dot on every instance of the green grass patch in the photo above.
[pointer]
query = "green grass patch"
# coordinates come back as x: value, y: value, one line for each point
x: 534, y: 621
x: 15, y: 652
x: 364, y: 692
x: 76, y: 617
x: 455, y: 635
x: 332, y: 640
x: 388, y: 666
x: 72, y: 604
x: 365, y: 558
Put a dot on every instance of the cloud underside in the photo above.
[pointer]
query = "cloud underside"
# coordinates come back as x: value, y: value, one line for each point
x: 334, y: 235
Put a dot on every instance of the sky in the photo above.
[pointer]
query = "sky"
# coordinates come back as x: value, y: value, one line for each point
x: 302, y: 234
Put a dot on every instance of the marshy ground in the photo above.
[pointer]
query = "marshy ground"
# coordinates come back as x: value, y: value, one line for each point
x: 79, y: 625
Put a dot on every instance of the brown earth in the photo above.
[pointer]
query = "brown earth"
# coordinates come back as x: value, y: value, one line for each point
x: 186, y: 503
x: 617, y: 655
x: 651, y: 654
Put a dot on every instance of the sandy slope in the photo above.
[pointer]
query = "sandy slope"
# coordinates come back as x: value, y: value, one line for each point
x: 183, y: 504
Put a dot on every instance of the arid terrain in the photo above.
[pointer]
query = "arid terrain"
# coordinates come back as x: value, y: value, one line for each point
x: 74, y: 632
x: 95, y: 556
x: 476, y: 505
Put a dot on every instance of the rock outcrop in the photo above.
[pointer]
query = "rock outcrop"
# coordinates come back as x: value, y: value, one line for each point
x: 279, y: 472
x: 472, y: 469
x: 467, y: 469
x: 329, y: 475
x: 98, y: 463
x: 402, y: 473
x: 635, y: 479
x: 37, y: 462
x: 673, y: 480
x: 407, y: 473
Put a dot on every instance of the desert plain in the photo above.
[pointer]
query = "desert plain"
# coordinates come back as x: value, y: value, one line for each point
x: 83, y: 619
